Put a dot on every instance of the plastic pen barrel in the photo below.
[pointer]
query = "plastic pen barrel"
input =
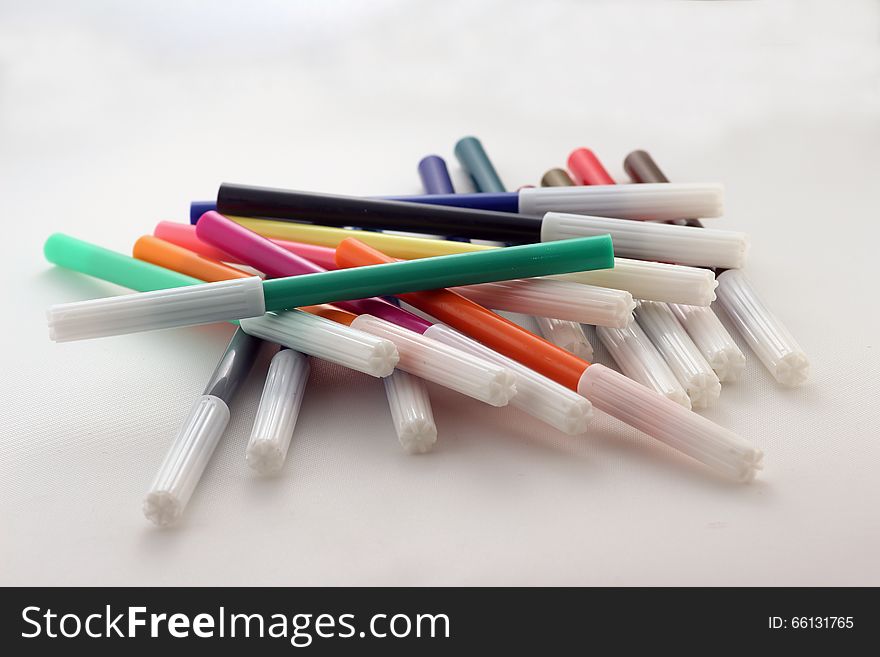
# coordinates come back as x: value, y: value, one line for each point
x: 474, y: 160
x: 168, y: 255
x: 92, y: 260
x: 341, y: 211
x: 587, y: 169
x: 435, y: 176
x: 680, y: 353
x: 556, y: 178
x: 185, y: 235
x: 197, y: 439
x: 278, y: 411
x: 198, y: 208
x: 771, y: 341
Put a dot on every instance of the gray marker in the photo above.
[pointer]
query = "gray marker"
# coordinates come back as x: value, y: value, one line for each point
x: 196, y: 440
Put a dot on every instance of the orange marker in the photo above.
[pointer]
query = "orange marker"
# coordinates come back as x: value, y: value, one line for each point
x: 332, y: 313
x: 168, y: 255
x: 479, y: 323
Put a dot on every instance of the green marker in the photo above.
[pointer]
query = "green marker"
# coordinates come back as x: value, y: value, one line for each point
x: 188, y: 302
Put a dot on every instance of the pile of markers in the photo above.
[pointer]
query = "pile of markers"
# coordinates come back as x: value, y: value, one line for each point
x: 406, y: 289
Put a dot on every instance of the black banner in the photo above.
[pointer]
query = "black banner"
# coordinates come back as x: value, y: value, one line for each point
x: 433, y: 621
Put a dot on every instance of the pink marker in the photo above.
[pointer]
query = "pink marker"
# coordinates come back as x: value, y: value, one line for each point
x: 185, y: 235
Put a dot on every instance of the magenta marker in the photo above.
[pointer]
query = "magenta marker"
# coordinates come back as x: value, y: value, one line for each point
x: 277, y: 262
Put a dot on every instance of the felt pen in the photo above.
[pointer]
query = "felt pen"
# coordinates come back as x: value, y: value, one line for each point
x: 425, y: 217
x: 251, y: 297
x: 200, y: 433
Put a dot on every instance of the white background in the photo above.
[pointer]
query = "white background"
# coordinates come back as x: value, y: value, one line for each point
x: 113, y: 116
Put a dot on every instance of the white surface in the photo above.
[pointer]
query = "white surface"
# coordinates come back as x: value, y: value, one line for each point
x: 112, y: 117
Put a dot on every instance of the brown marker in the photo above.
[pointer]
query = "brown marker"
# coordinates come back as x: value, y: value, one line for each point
x: 557, y: 178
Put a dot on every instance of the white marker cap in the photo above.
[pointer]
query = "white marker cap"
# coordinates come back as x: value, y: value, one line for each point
x: 638, y: 358
x: 444, y: 365
x: 278, y: 411
x: 663, y: 419
x: 656, y: 201
x: 712, y: 339
x: 186, y: 460
x: 771, y: 341
x: 326, y: 339
x: 411, y: 411
x: 646, y: 240
x: 680, y: 353
x: 655, y: 281
x: 547, y: 297
x: 159, y: 309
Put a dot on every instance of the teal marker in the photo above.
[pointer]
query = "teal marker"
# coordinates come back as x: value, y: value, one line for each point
x: 476, y: 162
x: 159, y: 307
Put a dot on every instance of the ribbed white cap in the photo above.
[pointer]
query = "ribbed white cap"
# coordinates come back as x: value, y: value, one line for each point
x: 767, y: 336
x: 548, y: 297
x: 567, y: 335
x: 411, y: 411
x: 658, y: 201
x: 160, y: 309
x: 278, y: 411
x: 680, y: 353
x: 185, y: 460
x: 646, y: 240
x: 663, y: 419
x: 712, y: 339
x: 638, y: 358
x: 444, y: 365
x: 326, y: 339
x: 537, y: 395
x: 655, y: 281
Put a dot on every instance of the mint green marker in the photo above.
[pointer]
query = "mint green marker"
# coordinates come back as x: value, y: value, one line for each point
x: 187, y: 303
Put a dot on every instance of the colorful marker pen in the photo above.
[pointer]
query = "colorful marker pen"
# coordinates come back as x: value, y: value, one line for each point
x: 251, y: 297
